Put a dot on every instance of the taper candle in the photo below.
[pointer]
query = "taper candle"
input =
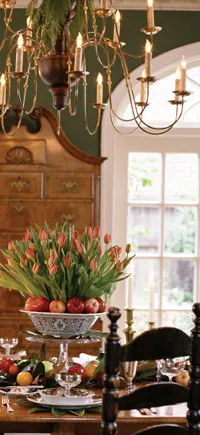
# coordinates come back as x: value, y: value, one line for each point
x: 104, y: 4
x: 150, y: 14
x: 78, y: 64
x: 177, y: 82
x: 148, y: 56
x: 129, y: 294
x: 117, y: 25
x: 143, y: 88
x: 2, y: 89
x: 99, y: 98
x: 151, y: 297
x: 29, y: 32
x: 19, y: 54
x: 183, y: 74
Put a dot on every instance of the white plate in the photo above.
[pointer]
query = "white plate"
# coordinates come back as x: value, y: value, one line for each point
x: 65, y: 401
x: 20, y: 391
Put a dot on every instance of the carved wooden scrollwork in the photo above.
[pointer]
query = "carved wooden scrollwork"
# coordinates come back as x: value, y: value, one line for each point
x: 19, y: 156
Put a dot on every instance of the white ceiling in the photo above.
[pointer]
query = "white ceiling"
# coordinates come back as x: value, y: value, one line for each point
x: 141, y: 4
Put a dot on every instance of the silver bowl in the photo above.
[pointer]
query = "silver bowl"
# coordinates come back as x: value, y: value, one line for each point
x: 62, y: 324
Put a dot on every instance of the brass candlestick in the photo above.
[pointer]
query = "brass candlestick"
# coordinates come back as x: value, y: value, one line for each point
x: 151, y: 325
x: 129, y: 320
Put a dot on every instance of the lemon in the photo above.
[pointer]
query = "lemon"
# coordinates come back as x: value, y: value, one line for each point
x: 90, y: 368
x: 47, y: 365
x: 24, y: 379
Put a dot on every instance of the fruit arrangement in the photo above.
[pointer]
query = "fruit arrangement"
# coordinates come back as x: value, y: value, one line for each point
x: 74, y: 305
x: 63, y: 270
x: 28, y: 372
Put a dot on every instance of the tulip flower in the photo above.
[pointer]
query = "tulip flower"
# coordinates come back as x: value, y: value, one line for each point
x: 119, y: 266
x: 61, y: 240
x: 43, y: 235
x: 10, y: 261
x: 107, y: 238
x: 81, y: 248
x: 27, y: 236
x: 30, y: 253
x: 52, y: 258
x: 36, y: 268
x: 115, y: 252
x: 67, y: 260
x: 93, y: 265
x: 75, y: 234
x: 23, y: 262
x: 128, y: 248
x: 96, y: 232
x: 88, y: 232
x: 11, y: 247
x: 53, y: 269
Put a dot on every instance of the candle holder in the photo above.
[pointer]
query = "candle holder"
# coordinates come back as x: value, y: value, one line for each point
x: 98, y: 106
x: 151, y: 325
x: 129, y: 320
x: 151, y: 30
x: 104, y: 12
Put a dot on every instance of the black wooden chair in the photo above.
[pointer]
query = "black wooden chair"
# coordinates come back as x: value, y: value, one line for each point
x: 154, y: 344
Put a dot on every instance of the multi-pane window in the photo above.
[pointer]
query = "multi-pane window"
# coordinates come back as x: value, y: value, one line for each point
x: 163, y: 227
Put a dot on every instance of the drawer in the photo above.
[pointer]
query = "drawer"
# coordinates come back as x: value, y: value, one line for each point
x: 16, y: 216
x: 21, y: 185
x: 70, y: 185
x: 78, y: 213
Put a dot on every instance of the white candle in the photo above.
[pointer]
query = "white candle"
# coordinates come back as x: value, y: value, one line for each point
x: 143, y: 89
x: 150, y: 14
x: 183, y: 74
x: 29, y: 32
x: 78, y: 64
x: 148, y: 55
x: 117, y: 25
x: 2, y: 89
x: 129, y: 295
x: 19, y: 54
x: 151, y: 297
x: 104, y: 4
x: 99, y: 89
x: 177, y: 82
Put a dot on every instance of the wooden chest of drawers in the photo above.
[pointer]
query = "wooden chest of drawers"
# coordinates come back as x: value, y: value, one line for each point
x: 43, y: 177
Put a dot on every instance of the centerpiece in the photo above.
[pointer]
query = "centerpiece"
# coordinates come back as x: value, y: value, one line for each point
x: 64, y: 276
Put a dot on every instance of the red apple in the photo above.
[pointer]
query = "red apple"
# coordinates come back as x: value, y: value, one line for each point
x: 57, y: 306
x: 79, y: 369
x: 5, y: 363
x: 102, y: 305
x: 13, y: 370
x: 75, y: 305
x: 183, y: 378
x: 37, y: 304
x: 91, y: 305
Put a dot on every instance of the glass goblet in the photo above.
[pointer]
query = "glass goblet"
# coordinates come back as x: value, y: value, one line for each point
x: 68, y: 381
x: 8, y: 344
x: 172, y: 367
x: 129, y: 369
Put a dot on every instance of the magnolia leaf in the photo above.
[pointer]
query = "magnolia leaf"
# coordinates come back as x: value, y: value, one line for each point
x: 39, y: 370
x: 55, y: 370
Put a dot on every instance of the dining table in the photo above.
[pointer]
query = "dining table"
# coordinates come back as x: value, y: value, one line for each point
x: 21, y: 421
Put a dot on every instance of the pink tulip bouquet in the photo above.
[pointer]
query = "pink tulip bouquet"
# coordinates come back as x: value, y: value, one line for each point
x: 62, y: 263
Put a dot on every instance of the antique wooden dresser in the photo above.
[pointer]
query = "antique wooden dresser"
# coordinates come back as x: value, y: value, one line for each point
x: 43, y: 178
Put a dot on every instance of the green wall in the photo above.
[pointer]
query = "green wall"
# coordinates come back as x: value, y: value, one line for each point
x: 179, y: 28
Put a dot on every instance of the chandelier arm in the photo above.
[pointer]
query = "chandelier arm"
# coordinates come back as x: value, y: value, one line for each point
x: 73, y: 110
x: 85, y: 8
x: 167, y: 126
x: 118, y: 131
x: 28, y: 112
x: 160, y: 132
x: 9, y: 19
x: 91, y: 132
x: 17, y: 127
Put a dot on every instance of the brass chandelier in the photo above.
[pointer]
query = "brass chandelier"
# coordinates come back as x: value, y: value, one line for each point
x: 63, y: 68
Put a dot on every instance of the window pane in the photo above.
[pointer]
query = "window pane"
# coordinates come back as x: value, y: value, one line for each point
x: 143, y: 274
x: 182, y: 320
x: 178, y: 283
x: 181, y: 177
x: 180, y: 230
x: 144, y: 229
x: 144, y: 177
x: 141, y: 321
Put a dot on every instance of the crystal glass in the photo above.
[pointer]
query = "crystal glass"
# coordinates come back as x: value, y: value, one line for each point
x: 68, y: 381
x: 172, y: 367
x: 129, y: 369
x: 8, y: 344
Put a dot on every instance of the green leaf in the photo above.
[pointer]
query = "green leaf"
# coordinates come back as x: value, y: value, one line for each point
x: 39, y: 370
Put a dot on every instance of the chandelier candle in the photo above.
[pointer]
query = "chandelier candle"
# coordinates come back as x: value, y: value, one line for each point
x: 99, y: 89
x: 183, y: 74
x: 148, y: 56
x: 104, y: 4
x: 151, y: 297
x: 117, y: 25
x: 29, y: 32
x: 2, y: 90
x: 78, y: 64
x: 150, y: 14
x: 143, y: 88
x: 19, y: 54
x: 177, y: 82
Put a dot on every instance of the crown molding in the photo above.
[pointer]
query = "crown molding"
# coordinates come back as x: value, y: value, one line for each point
x: 186, y: 5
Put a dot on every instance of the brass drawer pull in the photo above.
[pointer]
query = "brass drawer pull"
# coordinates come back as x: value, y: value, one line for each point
x: 19, y: 184
x: 69, y: 217
x: 69, y: 185
x: 18, y: 207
